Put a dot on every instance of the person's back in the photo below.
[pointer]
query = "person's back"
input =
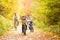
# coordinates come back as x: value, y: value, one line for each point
x: 24, y: 20
x: 15, y: 20
x: 24, y: 25
x: 15, y: 17
x: 28, y: 18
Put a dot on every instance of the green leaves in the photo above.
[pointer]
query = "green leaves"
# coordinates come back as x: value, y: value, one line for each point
x: 47, y: 12
x: 5, y: 24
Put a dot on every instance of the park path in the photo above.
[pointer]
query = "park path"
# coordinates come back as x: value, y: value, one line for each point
x: 36, y: 35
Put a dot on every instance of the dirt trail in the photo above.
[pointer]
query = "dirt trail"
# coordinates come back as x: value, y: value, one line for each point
x: 17, y: 35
